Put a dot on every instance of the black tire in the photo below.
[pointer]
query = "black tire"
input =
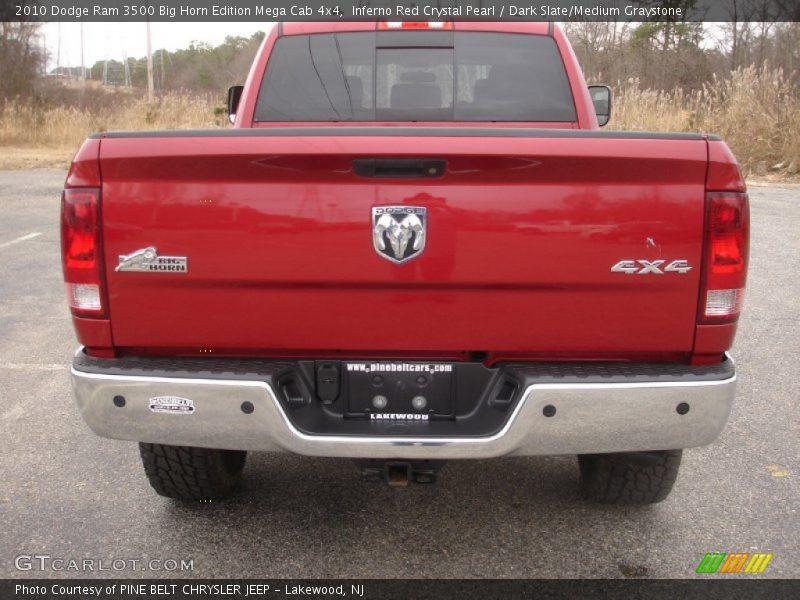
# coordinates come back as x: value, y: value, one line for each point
x: 187, y: 473
x: 630, y: 477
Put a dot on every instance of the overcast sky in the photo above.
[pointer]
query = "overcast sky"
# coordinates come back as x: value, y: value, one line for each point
x: 111, y: 40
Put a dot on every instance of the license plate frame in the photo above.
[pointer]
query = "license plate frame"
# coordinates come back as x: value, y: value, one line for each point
x: 399, y: 383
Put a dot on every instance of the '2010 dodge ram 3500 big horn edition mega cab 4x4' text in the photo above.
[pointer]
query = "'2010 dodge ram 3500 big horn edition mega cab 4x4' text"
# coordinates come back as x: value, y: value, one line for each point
x: 414, y: 245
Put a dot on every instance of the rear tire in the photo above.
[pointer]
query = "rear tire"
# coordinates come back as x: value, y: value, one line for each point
x: 187, y: 473
x: 629, y: 478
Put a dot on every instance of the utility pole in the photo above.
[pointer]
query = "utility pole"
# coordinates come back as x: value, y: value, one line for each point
x: 149, y: 66
x: 83, y: 68
x: 58, y: 50
x: 161, y: 52
x: 127, y: 68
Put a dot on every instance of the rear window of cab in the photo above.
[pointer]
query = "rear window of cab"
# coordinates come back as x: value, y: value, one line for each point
x: 415, y: 76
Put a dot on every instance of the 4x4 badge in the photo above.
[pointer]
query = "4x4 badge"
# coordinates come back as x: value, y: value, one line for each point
x: 399, y: 232
x: 654, y: 267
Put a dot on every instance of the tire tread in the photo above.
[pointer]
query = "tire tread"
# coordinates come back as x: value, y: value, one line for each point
x: 187, y: 473
x: 629, y: 478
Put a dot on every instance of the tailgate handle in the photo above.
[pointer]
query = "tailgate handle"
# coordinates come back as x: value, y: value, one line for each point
x: 399, y: 167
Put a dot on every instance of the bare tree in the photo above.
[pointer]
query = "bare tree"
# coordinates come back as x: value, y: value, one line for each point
x: 21, y: 58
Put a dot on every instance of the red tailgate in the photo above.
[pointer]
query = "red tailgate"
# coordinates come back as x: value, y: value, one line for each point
x: 522, y: 234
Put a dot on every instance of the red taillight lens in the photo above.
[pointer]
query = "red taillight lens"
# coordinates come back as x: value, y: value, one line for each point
x: 727, y: 241
x: 81, y: 251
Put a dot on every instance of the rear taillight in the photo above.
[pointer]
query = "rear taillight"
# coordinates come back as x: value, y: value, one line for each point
x: 725, y: 269
x: 81, y: 251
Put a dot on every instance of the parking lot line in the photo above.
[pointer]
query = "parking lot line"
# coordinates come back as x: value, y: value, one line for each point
x: 24, y: 238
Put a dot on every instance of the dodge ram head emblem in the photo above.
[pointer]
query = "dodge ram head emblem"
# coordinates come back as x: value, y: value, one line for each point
x: 399, y: 232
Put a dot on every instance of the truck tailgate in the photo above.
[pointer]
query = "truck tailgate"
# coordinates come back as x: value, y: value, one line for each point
x: 523, y: 230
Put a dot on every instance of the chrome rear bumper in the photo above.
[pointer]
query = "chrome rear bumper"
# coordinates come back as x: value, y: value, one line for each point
x: 598, y: 417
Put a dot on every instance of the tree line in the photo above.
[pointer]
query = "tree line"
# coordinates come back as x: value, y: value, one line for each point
x: 670, y: 55
x: 201, y: 67
x: 660, y: 55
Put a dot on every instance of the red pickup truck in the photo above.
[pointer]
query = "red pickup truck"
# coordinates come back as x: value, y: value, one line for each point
x: 414, y: 245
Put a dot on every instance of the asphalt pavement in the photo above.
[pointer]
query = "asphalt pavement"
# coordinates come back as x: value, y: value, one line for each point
x: 68, y: 494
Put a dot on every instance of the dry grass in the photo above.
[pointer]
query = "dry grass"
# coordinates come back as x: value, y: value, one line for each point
x: 35, y: 157
x: 756, y: 111
x: 39, y: 137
